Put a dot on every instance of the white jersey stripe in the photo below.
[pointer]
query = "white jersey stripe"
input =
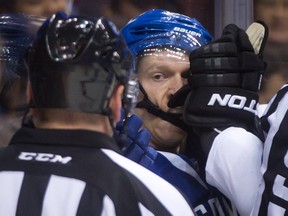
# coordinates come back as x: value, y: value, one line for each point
x: 10, y: 185
x: 275, y: 121
x: 166, y: 193
x: 144, y: 210
x: 108, y: 207
x: 62, y: 190
x: 275, y: 210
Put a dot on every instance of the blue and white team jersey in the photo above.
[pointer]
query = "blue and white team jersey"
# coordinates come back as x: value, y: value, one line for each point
x: 179, y: 171
x: 232, y: 169
x: 273, y: 193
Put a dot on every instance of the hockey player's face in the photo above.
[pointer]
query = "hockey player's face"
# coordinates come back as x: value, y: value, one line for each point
x: 160, y: 76
x: 43, y: 8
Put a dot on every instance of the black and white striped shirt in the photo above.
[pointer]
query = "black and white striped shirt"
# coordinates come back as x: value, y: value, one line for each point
x: 273, y: 192
x: 64, y: 172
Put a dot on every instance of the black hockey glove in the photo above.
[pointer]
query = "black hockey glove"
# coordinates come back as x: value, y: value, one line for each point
x: 224, y: 79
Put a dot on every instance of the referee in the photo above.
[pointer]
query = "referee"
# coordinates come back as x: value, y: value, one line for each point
x: 63, y: 161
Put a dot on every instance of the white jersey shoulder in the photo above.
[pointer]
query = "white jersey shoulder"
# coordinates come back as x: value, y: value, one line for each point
x: 233, y: 167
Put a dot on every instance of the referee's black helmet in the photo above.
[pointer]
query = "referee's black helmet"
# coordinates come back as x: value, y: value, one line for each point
x: 76, y: 62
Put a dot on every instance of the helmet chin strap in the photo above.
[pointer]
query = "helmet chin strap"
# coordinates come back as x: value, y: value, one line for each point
x: 155, y: 110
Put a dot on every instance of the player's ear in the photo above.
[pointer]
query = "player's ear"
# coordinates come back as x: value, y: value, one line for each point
x: 116, y: 103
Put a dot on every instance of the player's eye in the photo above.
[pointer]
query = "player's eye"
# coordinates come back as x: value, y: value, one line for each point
x: 159, y: 76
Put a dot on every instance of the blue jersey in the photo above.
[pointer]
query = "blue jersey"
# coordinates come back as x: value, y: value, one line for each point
x: 180, y: 171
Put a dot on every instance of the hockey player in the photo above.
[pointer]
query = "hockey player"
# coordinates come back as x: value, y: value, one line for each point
x: 16, y: 32
x: 17, y: 21
x: 66, y: 162
x: 162, y: 41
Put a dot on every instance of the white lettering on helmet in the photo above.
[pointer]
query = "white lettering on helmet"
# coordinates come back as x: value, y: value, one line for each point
x: 44, y: 157
x: 233, y: 101
x: 187, y: 31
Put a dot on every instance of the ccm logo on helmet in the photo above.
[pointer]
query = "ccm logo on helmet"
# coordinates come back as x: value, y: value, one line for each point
x: 44, y: 157
x: 233, y: 101
x: 187, y: 31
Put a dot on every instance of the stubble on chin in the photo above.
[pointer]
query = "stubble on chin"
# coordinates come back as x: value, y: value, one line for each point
x: 167, y: 137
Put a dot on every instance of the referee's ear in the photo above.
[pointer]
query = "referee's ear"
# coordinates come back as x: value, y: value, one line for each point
x: 29, y: 93
x: 116, y: 103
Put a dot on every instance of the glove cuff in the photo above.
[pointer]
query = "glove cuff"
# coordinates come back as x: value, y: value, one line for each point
x: 220, y: 106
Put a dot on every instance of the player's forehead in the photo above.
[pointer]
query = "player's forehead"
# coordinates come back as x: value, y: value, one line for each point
x: 163, y: 58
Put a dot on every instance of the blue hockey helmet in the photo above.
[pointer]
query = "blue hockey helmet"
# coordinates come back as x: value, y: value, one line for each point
x: 17, y: 32
x: 76, y: 62
x: 162, y: 33
x: 161, y: 28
